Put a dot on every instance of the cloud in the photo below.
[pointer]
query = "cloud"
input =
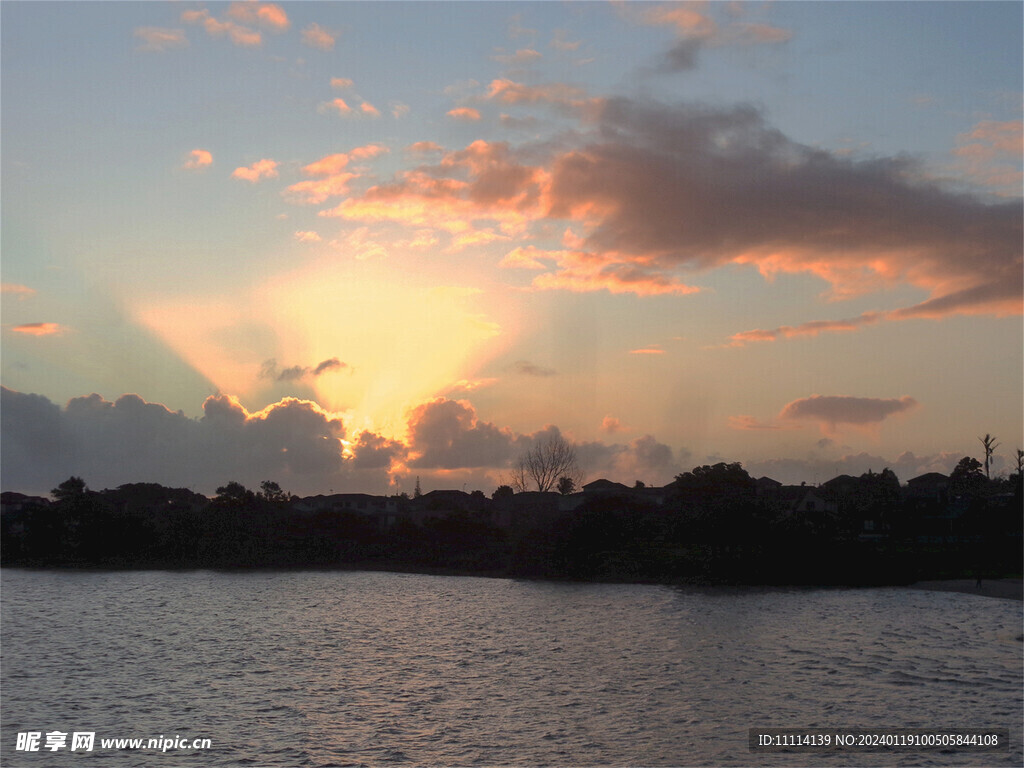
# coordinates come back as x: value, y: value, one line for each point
x: 521, y: 56
x: 812, y: 328
x: 526, y: 368
x: 524, y: 257
x: 424, y: 147
x: 399, y: 110
x: 341, y: 83
x: 237, y: 33
x: 316, y: 191
x: 372, y: 451
x: 308, y: 237
x: 337, y: 105
x: 611, y: 425
x: 40, y: 329
x: 464, y: 113
x: 266, y: 15
x: 647, y: 351
x: 198, y: 159
x: 369, y: 109
x: 156, y: 39
x: 989, y: 154
x: 13, y: 289
x: 560, y: 43
x: 744, y: 422
x: 292, y: 441
x: 695, y: 187
x: 316, y: 36
x: 643, y: 459
x: 446, y: 434
x: 657, y: 192
x: 832, y: 410
x: 261, y: 169
x: 269, y: 370
x: 696, y: 30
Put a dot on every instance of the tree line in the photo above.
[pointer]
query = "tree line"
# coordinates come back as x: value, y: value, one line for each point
x: 711, y: 525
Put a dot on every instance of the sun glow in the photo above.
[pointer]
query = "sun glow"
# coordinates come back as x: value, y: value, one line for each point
x: 401, y: 340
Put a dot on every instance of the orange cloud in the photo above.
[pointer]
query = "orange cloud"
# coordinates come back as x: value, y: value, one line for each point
x: 647, y: 351
x: 238, y: 34
x: 525, y: 257
x: 39, y: 329
x: 198, y: 158
x: 308, y: 237
x: 369, y: 109
x: 21, y: 291
x: 812, y: 328
x: 341, y: 83
x: 583, y: 273
x: 990, y: 155
x: 464, y: 113
x: 316, y: 36
x: 611, y: 425
x: 261, y: 169
x: 339, y: 105
x: 160, y: 39
x: 368, y: 151
x: 687, y: 21
x: 264, y: 14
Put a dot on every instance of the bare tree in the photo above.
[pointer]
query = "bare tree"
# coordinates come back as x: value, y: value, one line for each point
x: 543, y: 465
x: 990, y: 446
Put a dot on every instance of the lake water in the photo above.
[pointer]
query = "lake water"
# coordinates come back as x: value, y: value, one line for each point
x: 337, y: 669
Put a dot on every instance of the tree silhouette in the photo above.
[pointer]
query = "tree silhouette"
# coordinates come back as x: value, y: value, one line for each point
x: 271, y: 492
x: 566, y: 486
x: 70, y: 490
x: 502, y: 492
x: 1020, y: 462
x: 966, y: 478
x: 543, y: 464
x: 990, y: 446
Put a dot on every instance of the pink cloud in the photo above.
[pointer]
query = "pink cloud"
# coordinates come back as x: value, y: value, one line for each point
x: 341, y: 83
x: 339, y: 105
x: 647, y: 351
x: 611, y: 425
x: 316, y: 36
x: 238, y: 34
x: 198, y: 159
x: 369, y: 109
x: 464, y: 113
x: 266, y: 15
x: 261, y: 169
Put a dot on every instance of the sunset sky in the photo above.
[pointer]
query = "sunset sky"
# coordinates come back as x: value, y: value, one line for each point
x: 345, y: 245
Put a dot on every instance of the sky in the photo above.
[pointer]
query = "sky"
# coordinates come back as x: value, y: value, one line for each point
x: 343, y: 246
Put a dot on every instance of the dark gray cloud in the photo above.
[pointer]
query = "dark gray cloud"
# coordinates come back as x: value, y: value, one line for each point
x: 841, y: 409
x: 269, y: 370
x: 526, y: 368
x: 695, y: 187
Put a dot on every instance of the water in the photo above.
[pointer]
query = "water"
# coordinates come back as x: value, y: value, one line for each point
x: 336, y: 669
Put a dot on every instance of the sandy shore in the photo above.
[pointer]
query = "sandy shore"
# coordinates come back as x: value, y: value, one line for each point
x: 1008, y: 589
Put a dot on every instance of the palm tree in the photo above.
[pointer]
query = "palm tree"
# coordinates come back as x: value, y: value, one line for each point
x: 990, y: 446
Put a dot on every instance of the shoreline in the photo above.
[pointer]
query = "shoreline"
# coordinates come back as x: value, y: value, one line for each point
x: 1005, y: 589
